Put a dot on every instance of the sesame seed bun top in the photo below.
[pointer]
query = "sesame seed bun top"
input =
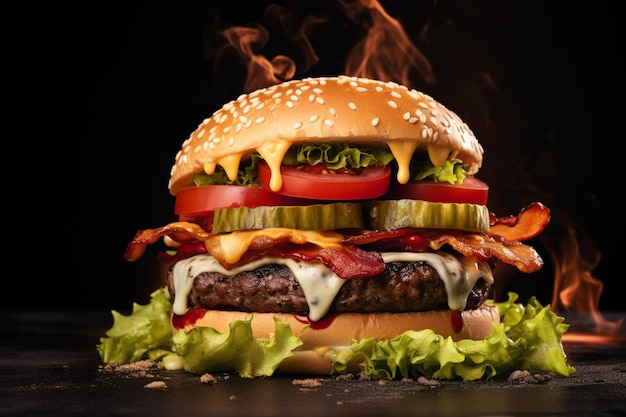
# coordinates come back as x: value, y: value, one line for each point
x: 322, y: 110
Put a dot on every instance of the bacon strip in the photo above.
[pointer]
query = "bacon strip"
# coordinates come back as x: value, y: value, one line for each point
x: 177, y: 231
x: 530, y: 221
x: 522, y: 256
x: 347, y: 262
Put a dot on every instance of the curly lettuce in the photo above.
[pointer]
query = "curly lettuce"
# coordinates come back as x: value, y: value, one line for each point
x: 528, y: 337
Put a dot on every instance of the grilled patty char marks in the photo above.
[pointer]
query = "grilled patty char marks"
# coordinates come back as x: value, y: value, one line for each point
x: 403, y: 286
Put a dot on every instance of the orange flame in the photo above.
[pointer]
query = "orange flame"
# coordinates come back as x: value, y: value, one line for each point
x: 575, y: 287
x: 386, y: 53
x: 261, y: 72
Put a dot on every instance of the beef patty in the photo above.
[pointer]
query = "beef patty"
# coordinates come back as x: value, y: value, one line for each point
x: 403, y: 286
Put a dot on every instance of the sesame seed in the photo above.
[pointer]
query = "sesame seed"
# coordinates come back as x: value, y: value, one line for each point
x: 379, y: 88
x: 201, y: 133
x: 406, y: 116
x: 211, y: 145
x: 248, y: 123
x: 260, y: 120
x: 328, y: 122
x: 314, y: 118
x: 260, y: 106
x: 319, y: 100
x: 332, y: 111
x: 352, y: 106
x: 361, y: 89
x: 294, y: 97
x: 318, y: 90
x: 289, y: 104
x: 311, y: 98
x: 396, y: 94
x: 375, y: 121
x: 392, y: 104
x: 424, y: 133
x: 297, y: 125
x: 231, y: 141
x: 238, y: 128
x: 413, y: 120
x: 197, y: 149
x: 227, y: 129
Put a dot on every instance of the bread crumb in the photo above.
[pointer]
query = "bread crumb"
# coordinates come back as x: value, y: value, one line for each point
x: 232, y: 397
x: 525, y: 377
x: 308, y: 383
x: 208, y: 379
x: 432, y: 383
x: 137, y: 369
x: 156, y: 385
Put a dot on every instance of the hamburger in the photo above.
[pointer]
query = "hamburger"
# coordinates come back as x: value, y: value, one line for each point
x: 332, y: 225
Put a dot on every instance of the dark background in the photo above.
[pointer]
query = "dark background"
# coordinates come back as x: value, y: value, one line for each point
x: 101, y: 96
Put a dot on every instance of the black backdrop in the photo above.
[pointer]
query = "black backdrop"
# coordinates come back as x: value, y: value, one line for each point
x: 102, y: 95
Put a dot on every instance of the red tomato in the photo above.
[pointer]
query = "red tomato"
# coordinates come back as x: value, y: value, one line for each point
x: 472, y: 190
x: 370, y: 183
x: 202, y: 201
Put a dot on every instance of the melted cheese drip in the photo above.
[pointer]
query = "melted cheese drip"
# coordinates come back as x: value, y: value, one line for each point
x: 321, y: 285
x: 274, y: 152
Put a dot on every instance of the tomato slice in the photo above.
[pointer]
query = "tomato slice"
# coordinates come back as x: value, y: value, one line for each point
x: 370, y: 183
x: 472, y: 190
x: 201, y: 201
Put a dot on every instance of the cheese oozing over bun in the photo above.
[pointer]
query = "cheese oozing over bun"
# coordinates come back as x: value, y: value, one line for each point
x: 323, y: 110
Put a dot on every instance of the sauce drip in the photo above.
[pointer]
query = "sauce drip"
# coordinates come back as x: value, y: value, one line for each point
x: 323, y: 323
x: 181, y: 321
x: 456, y: 320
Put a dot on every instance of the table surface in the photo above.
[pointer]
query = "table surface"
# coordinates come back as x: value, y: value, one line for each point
x: 49, y: 366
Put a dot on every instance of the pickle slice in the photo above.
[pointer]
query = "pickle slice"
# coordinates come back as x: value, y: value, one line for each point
x: 314, y: 217
x: 398, y: 214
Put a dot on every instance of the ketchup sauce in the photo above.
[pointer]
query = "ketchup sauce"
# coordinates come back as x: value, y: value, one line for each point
x: 187, y: 319
x: 322, y: 323
x: 456, y: 320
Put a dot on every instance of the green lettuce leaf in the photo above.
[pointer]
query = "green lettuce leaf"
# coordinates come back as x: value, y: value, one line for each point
x: 204, y: 349
x: 338, y: 155
x: 528, y: 337
x: 148, y: 327
x: 453, y: 172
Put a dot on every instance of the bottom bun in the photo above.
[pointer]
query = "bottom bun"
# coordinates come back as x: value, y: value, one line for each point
x: 341, y: 330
